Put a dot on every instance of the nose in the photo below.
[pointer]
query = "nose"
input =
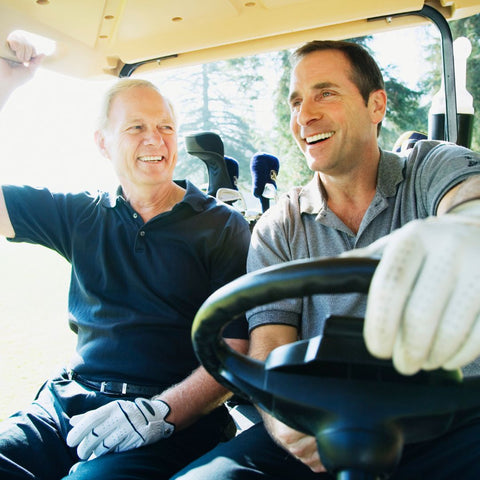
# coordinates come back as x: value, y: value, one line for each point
x: 153, y: 136
x: 307, y: 112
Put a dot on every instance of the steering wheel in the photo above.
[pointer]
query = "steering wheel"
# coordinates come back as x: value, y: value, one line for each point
x: 359, y: 408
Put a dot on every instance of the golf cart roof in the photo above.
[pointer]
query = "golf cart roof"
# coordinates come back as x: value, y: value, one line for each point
x: 98, y: 37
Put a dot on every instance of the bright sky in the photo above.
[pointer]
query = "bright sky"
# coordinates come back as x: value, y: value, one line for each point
x: 47, y: 134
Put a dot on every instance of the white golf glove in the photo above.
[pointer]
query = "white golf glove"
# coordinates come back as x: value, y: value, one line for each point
x: 118, y: 426
x: 423, y: 307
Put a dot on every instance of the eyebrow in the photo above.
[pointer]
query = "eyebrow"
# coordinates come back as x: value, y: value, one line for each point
x: 317, y: 86
x: 138, y: 119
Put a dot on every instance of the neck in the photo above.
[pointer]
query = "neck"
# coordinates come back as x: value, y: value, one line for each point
x: 349, y: 196
x: 152, y: 202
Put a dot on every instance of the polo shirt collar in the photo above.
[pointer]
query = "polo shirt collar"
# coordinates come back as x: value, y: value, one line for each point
x: 312, y: 197
x: 193, y: 196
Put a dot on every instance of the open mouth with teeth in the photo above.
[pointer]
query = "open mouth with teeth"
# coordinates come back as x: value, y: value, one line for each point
x: 151, y: 159
x: 320, y: 137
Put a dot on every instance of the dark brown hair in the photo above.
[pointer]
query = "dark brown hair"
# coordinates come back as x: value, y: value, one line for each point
x: 365, y: 73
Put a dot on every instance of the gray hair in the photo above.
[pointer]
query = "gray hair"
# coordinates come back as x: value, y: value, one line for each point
x: 121, y: 86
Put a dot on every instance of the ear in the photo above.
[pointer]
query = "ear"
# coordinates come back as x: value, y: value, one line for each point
x: 377, y: 104
x: 101, y: 143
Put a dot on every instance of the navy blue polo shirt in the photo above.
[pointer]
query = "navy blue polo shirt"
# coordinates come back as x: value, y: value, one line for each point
x: 135, y: 287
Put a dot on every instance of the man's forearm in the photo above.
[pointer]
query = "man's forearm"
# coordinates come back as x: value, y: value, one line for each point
x: 465, y: 192
x: 197, y: 395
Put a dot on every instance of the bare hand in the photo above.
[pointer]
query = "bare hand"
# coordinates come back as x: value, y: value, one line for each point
x: 14, y: 74
x: 303, y: 447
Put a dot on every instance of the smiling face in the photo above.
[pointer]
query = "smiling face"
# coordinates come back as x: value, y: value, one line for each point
x: 330, y: 121
x: 140, y: 138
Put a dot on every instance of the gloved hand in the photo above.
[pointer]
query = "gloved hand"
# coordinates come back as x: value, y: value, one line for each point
x: 423, y: 307
x: 118, y: 426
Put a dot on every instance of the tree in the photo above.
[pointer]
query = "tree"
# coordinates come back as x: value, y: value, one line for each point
x: 218, y: 97
x: 293, y: 167
x: 470, y: 28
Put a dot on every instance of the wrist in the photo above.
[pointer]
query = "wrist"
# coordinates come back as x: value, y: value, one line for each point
x: 163, y: 409
x: 470, y: 207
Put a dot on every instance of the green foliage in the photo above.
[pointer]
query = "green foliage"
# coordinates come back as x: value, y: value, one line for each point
x: 404, y: 112
x: 223, y: 97
x: 470, y: 28
x: 293, y: 168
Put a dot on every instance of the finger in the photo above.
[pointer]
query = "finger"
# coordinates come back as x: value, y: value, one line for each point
x: 470, y: 349
x: 108, y: 443
x: 457, y: 321
x: 22, y: 46
x: 389, y: 291
x: 22, y: 51
x: 95, y: 440
x: 89, y: 445
x: 422, y: 314
x: 119, y: 439
x: 83, y: 425
x: 311, y: 457
x: 75, y: 419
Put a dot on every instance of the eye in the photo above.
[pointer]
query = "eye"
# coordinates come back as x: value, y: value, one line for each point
x: 134, y: 128
x: 295, y: 104
x: 326, y: 94
x: 167, y: 129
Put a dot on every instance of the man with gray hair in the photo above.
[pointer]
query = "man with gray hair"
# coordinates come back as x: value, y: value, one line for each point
x: 143, y: 259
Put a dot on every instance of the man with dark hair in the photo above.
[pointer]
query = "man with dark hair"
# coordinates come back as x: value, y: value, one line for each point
x: 144, y: 259
x: 419, y: 211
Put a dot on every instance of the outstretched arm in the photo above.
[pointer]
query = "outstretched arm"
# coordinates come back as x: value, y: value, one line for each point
x: 15, y: 73
x: 12, y: 75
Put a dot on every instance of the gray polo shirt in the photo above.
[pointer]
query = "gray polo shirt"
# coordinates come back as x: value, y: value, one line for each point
x: 302, y: 226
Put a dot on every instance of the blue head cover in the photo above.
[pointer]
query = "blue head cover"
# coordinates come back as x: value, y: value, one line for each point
x: 264, y: 168
x: 408, y: 140
x: 233, y: 171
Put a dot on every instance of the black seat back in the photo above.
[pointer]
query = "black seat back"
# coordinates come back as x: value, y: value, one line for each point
x: 208, y: 147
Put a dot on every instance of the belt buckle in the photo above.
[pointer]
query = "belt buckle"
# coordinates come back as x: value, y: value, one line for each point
x: 103, y: 388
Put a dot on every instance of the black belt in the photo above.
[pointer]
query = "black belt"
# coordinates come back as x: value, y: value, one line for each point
x: 115, y: 388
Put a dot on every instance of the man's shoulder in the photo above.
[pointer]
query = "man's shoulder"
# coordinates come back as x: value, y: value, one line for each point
x: 286, y: 208
x: 37, y: 193
x: 436, y: 148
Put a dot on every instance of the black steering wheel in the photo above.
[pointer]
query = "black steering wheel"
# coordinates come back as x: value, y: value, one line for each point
x: 361, y: 411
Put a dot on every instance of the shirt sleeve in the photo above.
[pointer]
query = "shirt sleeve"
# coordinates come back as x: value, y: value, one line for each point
x: 436, y: 167
x: 229, y: 263
x: 40, y: 217
x: 270, y: 246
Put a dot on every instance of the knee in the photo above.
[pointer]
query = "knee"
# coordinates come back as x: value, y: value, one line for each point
x: 218, y: 468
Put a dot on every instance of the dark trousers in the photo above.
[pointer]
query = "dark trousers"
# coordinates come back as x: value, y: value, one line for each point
x: 32, y: 442
x: 253, y: 455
